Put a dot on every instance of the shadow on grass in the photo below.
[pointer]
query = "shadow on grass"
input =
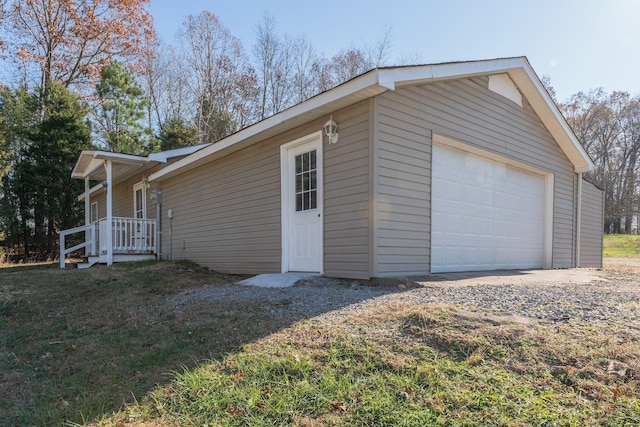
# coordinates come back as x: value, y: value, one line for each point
x: 17, y: 268
x: 79, y: 344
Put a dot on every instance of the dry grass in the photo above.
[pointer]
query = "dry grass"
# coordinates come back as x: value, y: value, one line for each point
x: 78, y: 344
x: 430, y: 364
x: 103, y: 347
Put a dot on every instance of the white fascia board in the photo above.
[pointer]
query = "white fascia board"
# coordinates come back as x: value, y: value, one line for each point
x: 402, y: 76
x: 90, y: 160
x: 472, y: 68
x: 120, y: 158
x: 551, y: 116
x: 86, y: 165
x: 81, y: 164
x: 164, y: 156
x: 362, y: 82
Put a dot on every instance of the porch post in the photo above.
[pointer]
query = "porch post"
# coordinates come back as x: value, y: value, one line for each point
x: 87, y: 214
x: 109, y: 236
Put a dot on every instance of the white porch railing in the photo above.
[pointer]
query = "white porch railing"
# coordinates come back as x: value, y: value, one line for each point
x: 131, y: 236
x: 90, y: 242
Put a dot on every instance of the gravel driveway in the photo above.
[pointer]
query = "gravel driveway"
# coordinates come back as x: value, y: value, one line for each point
x: 610, y: 295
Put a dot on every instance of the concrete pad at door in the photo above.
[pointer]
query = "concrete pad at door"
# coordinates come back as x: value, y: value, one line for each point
x: 283, y: 280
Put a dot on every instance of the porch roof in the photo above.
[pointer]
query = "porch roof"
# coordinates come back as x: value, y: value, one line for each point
x: 90, y: 165
x: 124, y: 165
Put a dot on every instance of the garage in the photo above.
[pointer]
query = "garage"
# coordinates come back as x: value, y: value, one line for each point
x: 486, y: 214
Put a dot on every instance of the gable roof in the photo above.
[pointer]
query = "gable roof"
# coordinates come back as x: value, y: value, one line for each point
x: 383, y: 79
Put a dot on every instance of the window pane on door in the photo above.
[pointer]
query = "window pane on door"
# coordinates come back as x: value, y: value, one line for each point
x: 94, y: 212
x: 306, y: 181
x: 139, y: 209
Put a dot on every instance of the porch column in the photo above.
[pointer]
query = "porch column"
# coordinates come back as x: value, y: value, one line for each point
x: 87, y: 214
x: 109, y: 236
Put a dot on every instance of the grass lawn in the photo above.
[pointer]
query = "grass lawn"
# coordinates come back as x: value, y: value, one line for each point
x: 621, y: 245
x: 103, y: 347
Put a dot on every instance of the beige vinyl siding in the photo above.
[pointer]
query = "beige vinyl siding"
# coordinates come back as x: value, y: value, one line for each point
x: 403, y: 197
x: 101, y: 198
x: 346, y: 192
x: 227, y: 213
x: 123, y: 198
x: 465, y: 110
x: 591, y: 225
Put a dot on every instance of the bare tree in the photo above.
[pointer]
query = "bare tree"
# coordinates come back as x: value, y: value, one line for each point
x: 546, y: 82
x: 380, y: 50
x: 322, y: 75
x: 70, y: 40
x: 304, y: 56
x: 282, y: 77
x: 265, y: 52
x: 348, y: 64
x: 290, y: 70
x: 3, y: 5
x: 166, y: 87
x: 220, y: 75
x: 608, y: 125
x: 283, y: 65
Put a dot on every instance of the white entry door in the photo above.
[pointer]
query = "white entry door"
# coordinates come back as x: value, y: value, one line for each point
x: 302, y: 204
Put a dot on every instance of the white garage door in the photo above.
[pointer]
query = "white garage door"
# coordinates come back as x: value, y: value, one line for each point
x: 486, y: 215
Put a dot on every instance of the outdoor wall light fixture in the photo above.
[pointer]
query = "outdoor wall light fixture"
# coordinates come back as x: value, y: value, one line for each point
x: 331, y: 130
x: 145, y: 182
x: 105, y: 185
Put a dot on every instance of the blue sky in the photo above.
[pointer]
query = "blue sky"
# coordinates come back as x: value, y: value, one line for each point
x: 579, y: 44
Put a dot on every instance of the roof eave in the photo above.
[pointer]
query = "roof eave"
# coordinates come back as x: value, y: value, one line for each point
x: 381, y: 80
x: 83, y: 167
x: 546, y: 108
x: 360, y: 88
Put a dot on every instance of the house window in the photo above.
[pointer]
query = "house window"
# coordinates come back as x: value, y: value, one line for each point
x: 139, y: 201
x: 306, y: 181
x: 93, y: 216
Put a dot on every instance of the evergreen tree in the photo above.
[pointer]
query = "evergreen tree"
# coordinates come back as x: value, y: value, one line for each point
x: 120, y: 110
x: 176, y: 134
x: 39, y: 196
x: 19, y: 113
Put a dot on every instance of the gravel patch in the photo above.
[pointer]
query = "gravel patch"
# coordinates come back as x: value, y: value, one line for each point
x: 549, y: 296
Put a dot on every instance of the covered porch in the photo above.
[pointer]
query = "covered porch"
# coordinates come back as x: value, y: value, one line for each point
x: 112, y: 236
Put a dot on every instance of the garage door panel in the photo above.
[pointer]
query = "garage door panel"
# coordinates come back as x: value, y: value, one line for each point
x: 486, y: 215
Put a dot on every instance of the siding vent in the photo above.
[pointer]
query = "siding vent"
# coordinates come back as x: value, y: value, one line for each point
x: 502, y: 85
